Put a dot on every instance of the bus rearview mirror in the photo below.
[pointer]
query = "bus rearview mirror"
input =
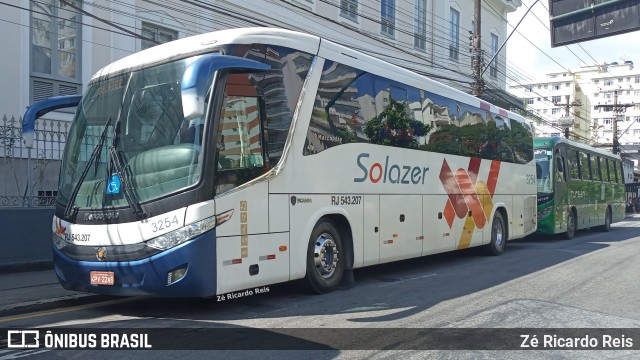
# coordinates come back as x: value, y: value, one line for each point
x: 198, y: 77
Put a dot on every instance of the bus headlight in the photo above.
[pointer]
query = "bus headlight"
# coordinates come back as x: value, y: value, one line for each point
x: 59, y: 242
x: 185, y: 233
x: 544, y: 212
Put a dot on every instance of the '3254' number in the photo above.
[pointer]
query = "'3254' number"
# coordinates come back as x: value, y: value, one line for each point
x: 165, y: 223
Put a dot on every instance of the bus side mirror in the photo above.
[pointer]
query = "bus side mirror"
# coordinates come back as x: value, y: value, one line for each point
x: 198, y: 76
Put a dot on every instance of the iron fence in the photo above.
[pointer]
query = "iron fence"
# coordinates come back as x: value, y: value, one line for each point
x: 29, y: 177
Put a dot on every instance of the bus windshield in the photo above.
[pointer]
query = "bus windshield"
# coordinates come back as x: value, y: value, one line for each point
x: 135, y: 119
x: 544, y: 170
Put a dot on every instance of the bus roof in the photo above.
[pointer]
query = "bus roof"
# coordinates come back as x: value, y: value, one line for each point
x: 206, y: 43
x: 541, y: 142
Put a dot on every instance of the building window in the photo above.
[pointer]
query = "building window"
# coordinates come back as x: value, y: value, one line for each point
x: 493, y: 67
x: 55, y: 49
x: 608, y: 82
x: 349, y: 9
x: 636, y: 80
x: 156, y: 33
x: 388, y: 17
x: 555, y: 111
x: 567, y: 84
x: 596, y: 81
x: 556, y: 86
x: 555, y: 99
x: 527, y: 88
x: 420, y: 25
x: 596, y: 94
x: 454, y: 35
x: 529, y: 101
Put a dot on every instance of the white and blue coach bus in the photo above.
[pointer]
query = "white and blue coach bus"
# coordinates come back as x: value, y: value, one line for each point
x: 247, y: 157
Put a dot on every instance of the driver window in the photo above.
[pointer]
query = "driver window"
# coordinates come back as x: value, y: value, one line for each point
x: 239, y: 144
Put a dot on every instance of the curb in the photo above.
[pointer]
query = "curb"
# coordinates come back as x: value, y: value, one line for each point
x: 51, y: 303
x: 26, y: 266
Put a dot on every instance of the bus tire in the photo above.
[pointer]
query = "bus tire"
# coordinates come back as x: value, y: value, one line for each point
x: 498, y: 236
x: 325, y: 258
x: 607, y: 221
x: 571, y: 226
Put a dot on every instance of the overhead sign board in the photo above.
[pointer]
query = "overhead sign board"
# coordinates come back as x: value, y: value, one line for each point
x: 574, y: 21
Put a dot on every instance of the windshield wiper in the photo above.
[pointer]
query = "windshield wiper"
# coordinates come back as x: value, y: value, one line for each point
x: 116, y: 161
x: 97, y: 152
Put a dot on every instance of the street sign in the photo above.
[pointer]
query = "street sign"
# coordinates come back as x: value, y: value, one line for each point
x: 574, y: 21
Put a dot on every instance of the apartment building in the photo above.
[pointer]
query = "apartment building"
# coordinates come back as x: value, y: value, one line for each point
x: 607, y: 93
x: 557, y: 101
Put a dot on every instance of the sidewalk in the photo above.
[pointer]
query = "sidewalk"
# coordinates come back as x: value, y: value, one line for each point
x: 34, y: 290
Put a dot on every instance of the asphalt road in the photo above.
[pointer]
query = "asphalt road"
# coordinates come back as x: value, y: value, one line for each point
x: 588, y: 282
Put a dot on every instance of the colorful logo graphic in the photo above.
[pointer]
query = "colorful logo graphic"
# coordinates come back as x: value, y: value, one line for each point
x: 467, y: 195
x: 60, y: 230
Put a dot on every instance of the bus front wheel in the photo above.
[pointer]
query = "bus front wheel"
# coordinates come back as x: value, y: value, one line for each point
x: 325, y: 258
x: 498, y: 236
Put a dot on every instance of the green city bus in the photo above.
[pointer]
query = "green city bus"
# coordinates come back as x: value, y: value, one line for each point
x: 579, y: 187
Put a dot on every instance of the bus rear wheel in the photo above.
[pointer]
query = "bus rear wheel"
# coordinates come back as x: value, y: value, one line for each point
x: 498, y: 236
x: 325, y: 258
x: 571, y: 226
x: 607, y: 221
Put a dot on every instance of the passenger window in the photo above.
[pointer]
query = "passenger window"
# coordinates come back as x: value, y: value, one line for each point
x: 595, y: 167
x: 584, y: 166
x: 573, y: 164
x: 620, y: 173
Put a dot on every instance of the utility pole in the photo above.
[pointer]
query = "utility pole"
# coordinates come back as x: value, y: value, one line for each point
x: 567, y: 108
x: 476, y: 53
x: 618, y: 110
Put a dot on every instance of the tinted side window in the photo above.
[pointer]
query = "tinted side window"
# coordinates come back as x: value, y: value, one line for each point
x: 604, y: 172
x: 610, y: 171
x: 620, y: 174
x: 595, y: 167
x: 584, y: 166
x: 355, y: 106
x: 572, y: 161
x: 522, y: 139
x: 280, y: 88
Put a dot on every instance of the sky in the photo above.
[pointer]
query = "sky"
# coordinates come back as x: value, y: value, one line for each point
x: 524, y: 58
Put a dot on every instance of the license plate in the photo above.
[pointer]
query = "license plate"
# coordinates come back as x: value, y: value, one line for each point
x: 101, y: 277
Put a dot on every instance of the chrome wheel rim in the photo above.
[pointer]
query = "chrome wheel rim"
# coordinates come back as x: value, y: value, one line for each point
x: 497, y: 233
x: 325, y: 255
